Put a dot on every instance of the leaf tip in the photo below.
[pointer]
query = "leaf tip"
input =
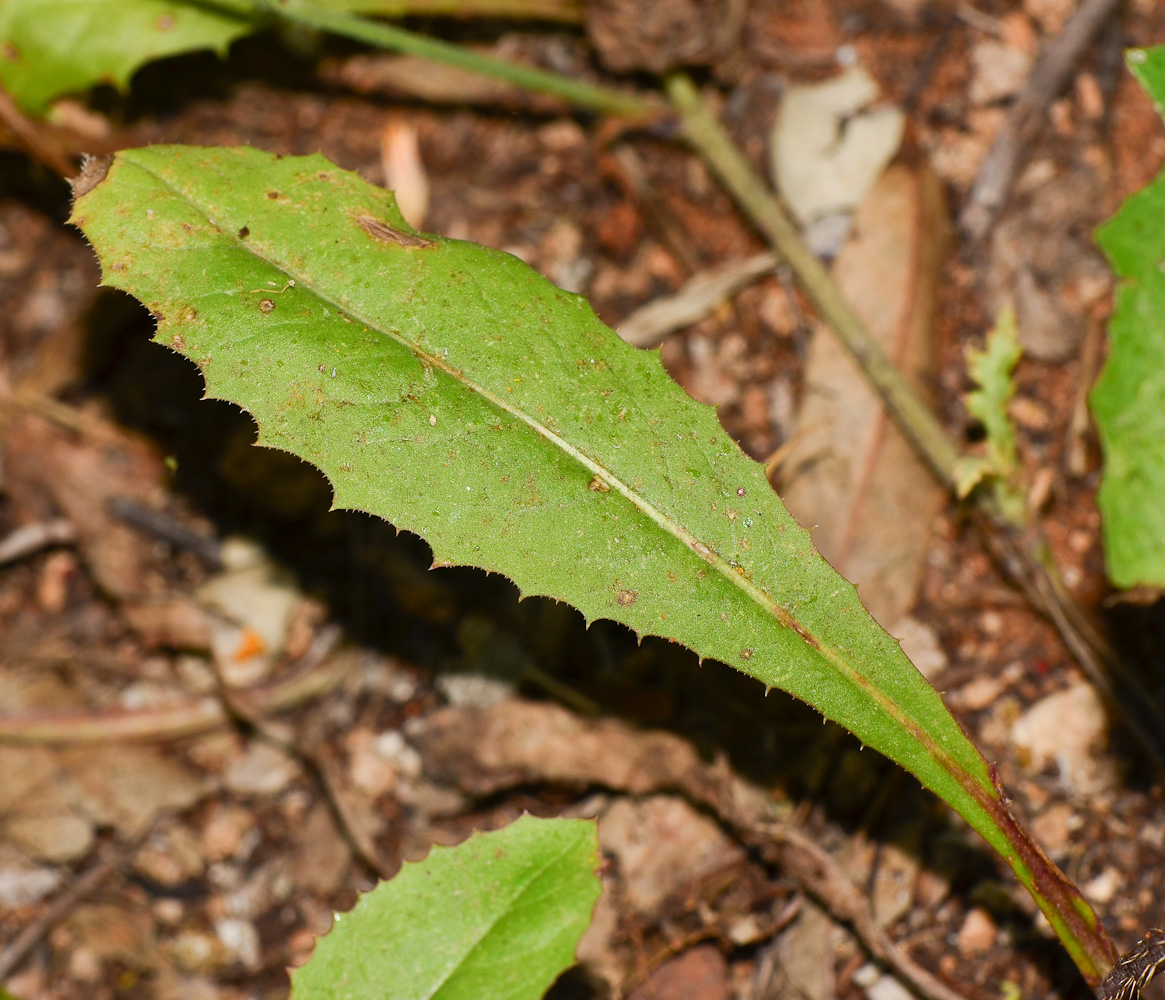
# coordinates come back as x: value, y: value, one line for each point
x: 93, y: 171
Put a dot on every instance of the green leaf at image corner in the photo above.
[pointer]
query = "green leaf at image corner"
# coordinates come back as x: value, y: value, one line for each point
x: 49, y: 48
x: 455, y: 392
x: 1128, y: 401
x: 498, y: 916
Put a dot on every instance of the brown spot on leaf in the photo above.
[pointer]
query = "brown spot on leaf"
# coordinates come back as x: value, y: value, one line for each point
x: 273, y: 195
x: 741, y: 492
x: 178, y: 342
x: 189, y: 314
x: 382, y: 231
x: 244, y: 232
x: 746, y: 654
x: 266, y: 306
x: 627, y: 597
x: 9, y: 51
x: 804, y: 634
x: 596, y: 485
x: 117, y: 265
x: 166, y: 22
x: 93, y: 171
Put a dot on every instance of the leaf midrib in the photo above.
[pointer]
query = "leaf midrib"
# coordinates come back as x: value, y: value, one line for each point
x: 676, y: 530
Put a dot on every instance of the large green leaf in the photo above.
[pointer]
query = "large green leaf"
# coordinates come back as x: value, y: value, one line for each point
x: 53, y: 47
x: 498, y: 916
x: 1129, y: 398
x: 453, y: 391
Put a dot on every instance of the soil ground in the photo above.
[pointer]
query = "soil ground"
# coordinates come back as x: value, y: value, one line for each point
x: 244, y: 862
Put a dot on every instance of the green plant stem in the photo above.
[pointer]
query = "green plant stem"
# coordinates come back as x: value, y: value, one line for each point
x: 603, y: 100
x: 707, y: 137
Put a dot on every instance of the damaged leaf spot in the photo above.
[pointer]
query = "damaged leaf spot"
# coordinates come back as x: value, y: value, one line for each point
x: 9, y: 51
x: 627, y: 597
x: 93, y: 171
x: 273, y: 195
x: 382, y: 231
x: 166, y: 22
x: 596, y: 485
x: 746, y: 654
x: 189, y: 314
x: 244, y: 232
x: 741, y: 492
x: 266, y: 306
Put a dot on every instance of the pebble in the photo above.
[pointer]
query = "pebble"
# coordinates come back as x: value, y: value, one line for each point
x: 262, y: 770
x: 1063, y: 728
x: 392, y: 746
x: 977, y: 934
x: 23, y: 883
x: 999, y: 71
x: 224, y: 831
x: 197, y: 951
x: 1104, y: 887
x: 877, y: 986
x: 1054, y: 826
x: 241, y: 940
x: 979, y: 693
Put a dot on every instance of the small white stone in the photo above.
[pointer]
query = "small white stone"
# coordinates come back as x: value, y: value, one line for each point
x: 241, y: 940
x: 1104, y: 887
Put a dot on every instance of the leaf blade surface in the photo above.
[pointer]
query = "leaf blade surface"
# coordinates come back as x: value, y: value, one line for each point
x: 49, y: 48
x: 1128, y: 400
x: 450, y: 389
x: 500, y: 916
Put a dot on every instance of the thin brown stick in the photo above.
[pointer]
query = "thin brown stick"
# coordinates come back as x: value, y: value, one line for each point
x: 1052, y: 72
x: 40, y: 144
x: 29, y: 539
x: 109, y: 861
x: 779, y: 842
x: 315, y: 673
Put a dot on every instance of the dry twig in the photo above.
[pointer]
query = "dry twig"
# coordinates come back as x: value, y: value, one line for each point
x: 29, y: 539
x: 85, y: 885
x: 999, y: 168
x: 315, y: 673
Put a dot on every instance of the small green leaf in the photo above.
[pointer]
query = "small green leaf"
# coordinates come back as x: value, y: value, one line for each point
x: 49, y: 48
x: 991, y: 370
x: 1128, y: 400
x: 498, y: 916
x: 453, y: 391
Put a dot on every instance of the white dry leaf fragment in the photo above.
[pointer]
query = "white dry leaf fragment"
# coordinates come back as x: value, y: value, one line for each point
x: 829, y: 146
x: 252, y: 601
x: 1068, y: 730
x: 700, y: 296
x: 262, y: 770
